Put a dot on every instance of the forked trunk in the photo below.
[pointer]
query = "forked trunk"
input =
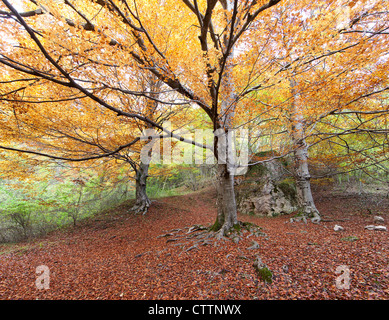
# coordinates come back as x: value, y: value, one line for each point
x: 142, y: 201
x: 223, y: 124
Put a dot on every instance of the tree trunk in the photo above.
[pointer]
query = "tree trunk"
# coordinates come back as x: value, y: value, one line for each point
x: 301, y: 172
x: 226, y: 204
x: 303, y: 185
x: 142, y: 201
x: 223, y: 125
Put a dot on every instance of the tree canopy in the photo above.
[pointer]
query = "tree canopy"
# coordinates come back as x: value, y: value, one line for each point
x: 80, y: 80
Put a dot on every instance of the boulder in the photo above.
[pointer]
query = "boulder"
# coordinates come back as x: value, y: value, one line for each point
x: 266, y: 190
x: 338, y: 228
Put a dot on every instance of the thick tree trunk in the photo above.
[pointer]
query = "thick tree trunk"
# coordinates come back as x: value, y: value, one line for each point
x: 223, y: 124
x: 226, y: 204
x: 142, y: 201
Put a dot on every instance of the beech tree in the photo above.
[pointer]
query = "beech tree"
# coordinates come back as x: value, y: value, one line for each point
x: 68, y: 127
x: 315, y: 84
x: 64, y: 55
x: 219, y: 55
x: 74, y: 136
x: 354, y: 77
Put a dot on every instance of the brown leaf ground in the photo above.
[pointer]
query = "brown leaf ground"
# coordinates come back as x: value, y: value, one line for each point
x: 120, y: 256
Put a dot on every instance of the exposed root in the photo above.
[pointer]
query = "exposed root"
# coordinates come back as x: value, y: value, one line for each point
x: 190, y: 238
x: 141, y: 208
x: 235, y: 233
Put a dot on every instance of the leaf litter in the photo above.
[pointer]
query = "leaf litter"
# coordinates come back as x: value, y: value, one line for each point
x: 122, y: 256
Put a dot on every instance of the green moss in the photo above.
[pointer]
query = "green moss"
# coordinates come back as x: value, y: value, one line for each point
x: 237, y: 227
x: 288, y: 187
x: 350, y: 238
x: 216, y: 226
x: 264, y: 274
x: 257, y: 170
x: 299, y: 213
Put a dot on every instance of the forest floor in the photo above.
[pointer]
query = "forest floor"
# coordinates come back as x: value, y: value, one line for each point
x: 117, y: 255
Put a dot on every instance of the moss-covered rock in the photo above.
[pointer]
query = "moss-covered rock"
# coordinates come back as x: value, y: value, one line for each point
x: 256, y: 171
x: 264, y: 274
x: 262, y: 270
x: 288, y: 187
x: 266, y: 189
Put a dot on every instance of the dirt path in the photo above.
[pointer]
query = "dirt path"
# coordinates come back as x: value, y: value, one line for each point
x: 121, y: 256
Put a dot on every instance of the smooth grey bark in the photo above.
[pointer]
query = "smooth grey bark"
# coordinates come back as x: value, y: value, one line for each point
x: 305, y: 200
x: 302, y: 176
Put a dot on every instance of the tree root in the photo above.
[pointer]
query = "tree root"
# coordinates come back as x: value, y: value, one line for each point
x: 235, y: 233
x: 190, y: 238
x: 141, y: 208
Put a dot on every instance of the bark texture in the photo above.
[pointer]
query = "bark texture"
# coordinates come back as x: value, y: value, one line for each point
x: 142, y: 201
x: 301, y: 171
x: 226, y: 204
x: 305, y: 200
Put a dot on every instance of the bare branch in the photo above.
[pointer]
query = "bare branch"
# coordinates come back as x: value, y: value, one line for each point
x: 104, y: 155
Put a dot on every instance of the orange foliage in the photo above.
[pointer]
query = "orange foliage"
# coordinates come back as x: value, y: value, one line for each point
x: 82, y: 79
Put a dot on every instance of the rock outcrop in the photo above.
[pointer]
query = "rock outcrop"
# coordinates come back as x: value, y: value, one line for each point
x: 266, y: 190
